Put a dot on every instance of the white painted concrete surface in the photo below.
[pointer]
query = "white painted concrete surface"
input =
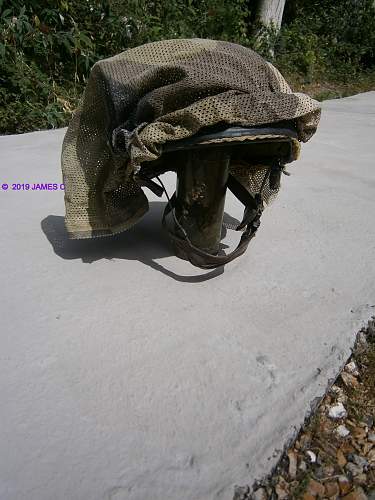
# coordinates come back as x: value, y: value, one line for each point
x: 126, y: 375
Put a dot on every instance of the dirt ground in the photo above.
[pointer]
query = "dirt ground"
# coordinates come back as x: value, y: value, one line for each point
x: 322, y: 90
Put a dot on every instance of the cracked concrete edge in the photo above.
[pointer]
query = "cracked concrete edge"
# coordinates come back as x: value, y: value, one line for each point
x: 369, y: 328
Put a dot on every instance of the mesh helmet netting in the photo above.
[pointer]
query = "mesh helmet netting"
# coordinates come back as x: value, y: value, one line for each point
x: 138, y: 100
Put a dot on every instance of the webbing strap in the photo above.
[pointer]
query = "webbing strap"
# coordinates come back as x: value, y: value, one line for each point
x: 251, y: 220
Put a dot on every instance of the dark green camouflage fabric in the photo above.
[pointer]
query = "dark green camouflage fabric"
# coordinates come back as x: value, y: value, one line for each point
x: 164, y: 91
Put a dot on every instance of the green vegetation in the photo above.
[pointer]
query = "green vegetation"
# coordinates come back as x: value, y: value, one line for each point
x: 47, y: 47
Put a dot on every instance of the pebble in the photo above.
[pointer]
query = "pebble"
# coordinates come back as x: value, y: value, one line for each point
x: 356, y: 494
x: 308, y: 496
x: 371, y: 437
x: 344, y: 485
x: 371, y: 456
x: 361, y: 479
x: 353, y: 469
x: 367, y: 447
x: 331, y: 488
x: 335, y: 389
x: 341, y: 460
x: 352, y: 368
x: 305, y: 441
x: 302, y: 466
x: 347, y: 447
x: 368, y: 420
x: 349, y: 379
x: 311, y: 456
x: 282, y: 489
x: 337, y: 411
x: 319, y: 473
x: 342, y: 431
x: 360, y: 433
x: 260, y: 494
x: 339, y: 394
x: 371, y: 477
x: 358, y: 460
x: 328, y: 470
x: 363, y: 424
x: 315, y: 488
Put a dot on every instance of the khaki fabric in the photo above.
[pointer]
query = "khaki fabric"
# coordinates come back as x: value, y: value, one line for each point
x: 164, y: 91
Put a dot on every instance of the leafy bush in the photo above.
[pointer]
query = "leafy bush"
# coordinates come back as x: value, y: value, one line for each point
x: 45, y: 55
x: 48, y: 47
x: 327, y: 39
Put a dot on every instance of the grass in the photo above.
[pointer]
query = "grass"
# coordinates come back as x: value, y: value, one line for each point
x: 335, y: 89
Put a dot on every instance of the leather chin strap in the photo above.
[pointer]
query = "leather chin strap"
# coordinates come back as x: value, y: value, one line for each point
x: 250, y: 222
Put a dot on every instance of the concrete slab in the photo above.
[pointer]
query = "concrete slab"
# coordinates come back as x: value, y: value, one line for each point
x: 127, y: 374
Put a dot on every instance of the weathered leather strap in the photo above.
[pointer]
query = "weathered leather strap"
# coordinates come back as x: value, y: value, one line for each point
x: 204, y: 260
